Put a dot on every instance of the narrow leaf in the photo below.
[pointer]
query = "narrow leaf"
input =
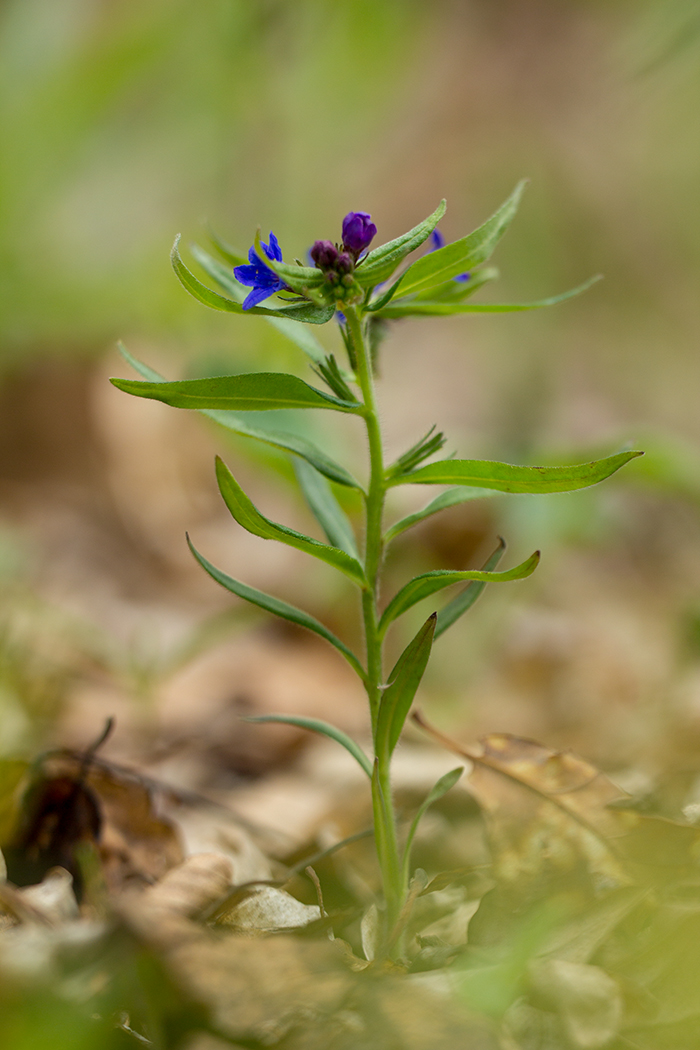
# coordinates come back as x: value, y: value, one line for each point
x: 506, y: 477
x: 278, y: 608
x: 459, y: 605
x: 232, y: 256
x: 250, y: 391
x: 310, y: 313
x: 250, y: 518
x: 444, y: 784
x: 316, y: 725
x: 326, y: 509
x: 419, y: 307
x: 456, y: 291
x: 462, y: 255
x: 382, y: 261
x: 403, y: 682
x: 298, y: 446
x: 428, y: 583
x: 459, y: 494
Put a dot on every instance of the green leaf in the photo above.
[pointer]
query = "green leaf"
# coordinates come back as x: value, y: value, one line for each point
x: 459, y: 494
x: 403, y: 682
x: 382, y: 261
x: 250, y: 518
x: 459, y: 605
x: 278, y: 608
x: 298, y: 446
x: 455, y: 291
x: 326, y: 509
x: 316, y: 725
x: 418, y: 307
x: 232, y: 256
x: 453, y: 259
x: 506, y: 477
x: 428, y: 583
x: 444, y: 784
x: 310, y: 313
x: 248, y: 392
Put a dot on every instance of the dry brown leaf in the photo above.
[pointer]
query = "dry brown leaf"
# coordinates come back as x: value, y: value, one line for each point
x: 76, y: 804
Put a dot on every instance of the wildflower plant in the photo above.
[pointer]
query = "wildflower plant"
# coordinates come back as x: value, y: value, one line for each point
x: 365, y: 288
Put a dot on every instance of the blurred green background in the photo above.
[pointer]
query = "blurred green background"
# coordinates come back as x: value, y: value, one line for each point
x: 125, y: 122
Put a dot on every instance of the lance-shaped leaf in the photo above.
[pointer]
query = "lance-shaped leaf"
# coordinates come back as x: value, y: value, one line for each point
x: 423, y: 308
x: 455, y: 290
x: 278, y: 608
x: 428, y: 583
x: 444, y: 784
x: 506, y: 477
x: 298, y: 446
x: 317, y: 725
x: 326, y: 509
x: 310, y: 313
x: 451, y: 498
x: 296, y: 333
x: 459, y: 605
x: 380, y: 263
x: 249, y: 392
x: 233, y: 256
x: 403, y: 682
x: 454, y: 259
x: 250, y: 518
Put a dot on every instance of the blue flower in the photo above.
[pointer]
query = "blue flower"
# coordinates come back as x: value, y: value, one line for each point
x: 263, y: 281
x: 438, y: 241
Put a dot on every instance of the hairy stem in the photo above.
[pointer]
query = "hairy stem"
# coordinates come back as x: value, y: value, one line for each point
x: 384, y: 822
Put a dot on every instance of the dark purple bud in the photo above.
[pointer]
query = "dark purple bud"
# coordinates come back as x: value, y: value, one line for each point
x: 345, y: 263
x: 324, y: 254
x: 358, y: 231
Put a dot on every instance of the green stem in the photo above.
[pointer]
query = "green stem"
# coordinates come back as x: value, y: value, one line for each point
x: 384, y: 822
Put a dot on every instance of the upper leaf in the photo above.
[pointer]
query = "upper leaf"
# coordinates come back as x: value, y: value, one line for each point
x: 428, y: 583
x: 459, y: 494
x: 250, y: 518
x: 310, y: 313
x: 441, y: 308
x: 380, y: 263
x: 403, y: 682
x: 298, y: 446
x: 278, y: 608
x: 464, y: 601
x: 453, y: 259
x: 326, y: 509
x: 250, y: 391
x: 506, y: 477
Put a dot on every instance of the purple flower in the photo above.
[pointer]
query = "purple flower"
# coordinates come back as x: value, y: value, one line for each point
x: 263, y: 281
x: 438, y: 241
x: 358, y: 231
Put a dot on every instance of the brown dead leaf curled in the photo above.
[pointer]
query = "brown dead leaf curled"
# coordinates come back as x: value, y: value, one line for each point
x: 73, y: 807
x: 542, y: 806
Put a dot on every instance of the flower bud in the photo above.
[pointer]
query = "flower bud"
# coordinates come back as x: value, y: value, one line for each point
x: 358, y: 231
x: 324, y: 254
